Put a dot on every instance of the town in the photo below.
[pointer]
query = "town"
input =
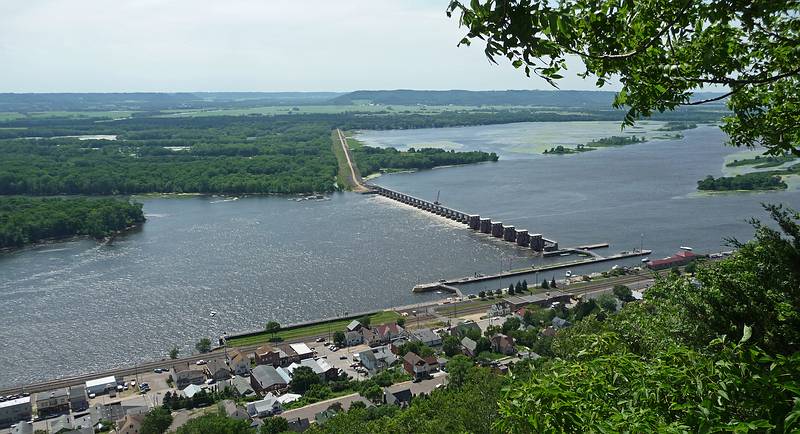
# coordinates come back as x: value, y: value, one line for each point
x: 391, y: 360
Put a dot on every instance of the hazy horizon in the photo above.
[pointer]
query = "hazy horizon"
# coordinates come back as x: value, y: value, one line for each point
x: 176, y: 46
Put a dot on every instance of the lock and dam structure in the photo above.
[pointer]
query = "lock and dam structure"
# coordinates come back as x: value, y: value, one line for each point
x: 496, y: 229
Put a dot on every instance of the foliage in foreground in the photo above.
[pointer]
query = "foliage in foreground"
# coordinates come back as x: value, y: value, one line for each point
x: 25, y: 220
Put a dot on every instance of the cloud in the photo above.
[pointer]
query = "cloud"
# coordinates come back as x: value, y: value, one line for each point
x: 241, y: 45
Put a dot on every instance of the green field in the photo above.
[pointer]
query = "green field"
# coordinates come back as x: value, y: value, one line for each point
x: 12, y: 116
x: 312, y: 330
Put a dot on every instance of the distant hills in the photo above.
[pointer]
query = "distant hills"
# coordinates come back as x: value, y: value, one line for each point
x: 546, y: 98
x: 41, y: 102
x: 154, y: 101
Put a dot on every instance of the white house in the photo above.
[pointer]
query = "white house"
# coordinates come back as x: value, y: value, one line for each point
x: 268, y: 406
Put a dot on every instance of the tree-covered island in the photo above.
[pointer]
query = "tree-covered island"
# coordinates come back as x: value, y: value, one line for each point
x: 25, y: 220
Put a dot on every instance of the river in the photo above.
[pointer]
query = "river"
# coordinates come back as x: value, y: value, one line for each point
x: 76, y: 306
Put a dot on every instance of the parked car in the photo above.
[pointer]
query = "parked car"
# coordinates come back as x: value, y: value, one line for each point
x: 320, y: 339
x: 157, y: 370
x: 200, y: 362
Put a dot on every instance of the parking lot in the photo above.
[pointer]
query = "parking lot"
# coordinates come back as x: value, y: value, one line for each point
x: 342, y: 358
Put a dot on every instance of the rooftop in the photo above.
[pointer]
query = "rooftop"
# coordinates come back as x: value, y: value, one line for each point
x: 101, y: 381
x: 18, y: 401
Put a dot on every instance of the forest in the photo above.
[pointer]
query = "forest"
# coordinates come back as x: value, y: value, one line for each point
x: 25, y: 220
x: 372, y: 160
x: 748, y: 181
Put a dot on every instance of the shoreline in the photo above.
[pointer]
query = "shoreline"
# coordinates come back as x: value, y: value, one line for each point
x: 57, y: 240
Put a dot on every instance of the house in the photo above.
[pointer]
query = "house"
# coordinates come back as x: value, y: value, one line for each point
x: 65, y: 424
x: 418, y: 367
x: 15, y: 410
x: 302, y: 351
x: 354, y: 326
x: 267, y: 355
x: 115, y: 411
x: 298, y: 425
x: 679, y: 259
x: 397, y: 345
x: 546, y: 299
x: 377, y: 359
x: 191, y: 390
x: 548, y: 331
x: 191, y: 375
x: 25, y: 427
x: 77, y: 399
x: 469, y: 346
x: 320, y: 367
x: 218, y: 369
x: 369, y: 337
x: 560, y: 323
x: 323, y: 416
x: 101, y: 385
x: 389, y: 332
x: 242, y: 386
x: 52, y: 402
x: 464, y: 328
x: 503, y: 344
x: 265, y: 378
x: 130, y: 424
x: 239, y: 362
x: 400, y: 398
x: 427, y: 337
x: 234, y: 411
x: 433, y: 363
x: 352, y: 338
x: 264, y: 408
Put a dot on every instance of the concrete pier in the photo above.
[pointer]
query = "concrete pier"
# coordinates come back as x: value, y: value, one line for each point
x: 536, y: 242
x: 474, y: 222
x: 509, y: 233
x: 497, y: 230
x: 486, y: 226
x: 523, y: 239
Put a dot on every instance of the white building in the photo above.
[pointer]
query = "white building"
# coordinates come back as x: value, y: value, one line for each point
x: 266, y: 407
x: 302, y: 350
x: 101, y: 385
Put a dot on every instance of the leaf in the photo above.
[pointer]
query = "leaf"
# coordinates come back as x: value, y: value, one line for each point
x: 748, y: 332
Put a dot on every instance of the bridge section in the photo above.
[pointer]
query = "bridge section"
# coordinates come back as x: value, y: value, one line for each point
x: 508, y: 233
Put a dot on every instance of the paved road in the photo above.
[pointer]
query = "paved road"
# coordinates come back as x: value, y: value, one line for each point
x: 309, y: 411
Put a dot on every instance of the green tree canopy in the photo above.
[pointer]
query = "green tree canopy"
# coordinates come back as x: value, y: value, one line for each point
x: 302, y: 379
x: 662, y: 52
x: 203, y: 345
x: 157, y: 421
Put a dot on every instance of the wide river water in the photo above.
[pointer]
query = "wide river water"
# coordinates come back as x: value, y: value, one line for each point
x: 77, y: 306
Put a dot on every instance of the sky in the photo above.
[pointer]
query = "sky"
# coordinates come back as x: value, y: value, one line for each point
x: 243, y: 45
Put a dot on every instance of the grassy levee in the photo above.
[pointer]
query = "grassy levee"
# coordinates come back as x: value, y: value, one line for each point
x: 343, y: 177
x: 316, y: 329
